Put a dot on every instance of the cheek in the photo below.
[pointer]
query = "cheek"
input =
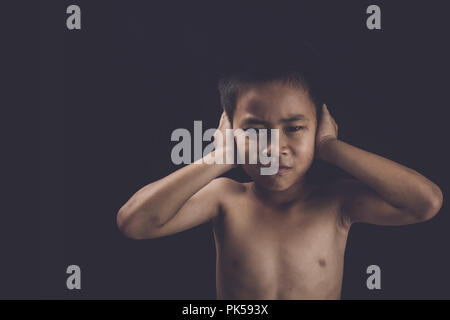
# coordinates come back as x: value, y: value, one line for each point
x: 245, y: 145
x: 241, y: 148
x: 305, y: 145
x: 304, y: 151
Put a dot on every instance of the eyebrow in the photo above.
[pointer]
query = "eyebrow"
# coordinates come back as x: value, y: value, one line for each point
x: 252, y: 120
x: 295, y: 117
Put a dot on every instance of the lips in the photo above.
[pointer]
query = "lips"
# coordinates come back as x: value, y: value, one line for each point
x: 282, y: 170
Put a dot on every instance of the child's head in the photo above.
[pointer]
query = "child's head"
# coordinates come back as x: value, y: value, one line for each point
x: 276, y: 95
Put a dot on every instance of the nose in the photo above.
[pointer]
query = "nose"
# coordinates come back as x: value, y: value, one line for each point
x: 284, y: 149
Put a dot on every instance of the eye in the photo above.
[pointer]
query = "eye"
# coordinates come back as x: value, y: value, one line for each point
x: 294, y: 128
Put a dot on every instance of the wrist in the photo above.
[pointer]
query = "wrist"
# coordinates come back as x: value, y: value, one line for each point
x: 222, y: 157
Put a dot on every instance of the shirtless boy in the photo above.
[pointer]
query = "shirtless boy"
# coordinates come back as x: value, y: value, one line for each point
x: 280, y: 237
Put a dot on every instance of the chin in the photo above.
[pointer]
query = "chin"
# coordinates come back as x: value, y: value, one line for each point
x: 277, y: 187
x: 273, y: 182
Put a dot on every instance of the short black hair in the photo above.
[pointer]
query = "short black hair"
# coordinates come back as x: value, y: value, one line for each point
x: 298, y: 68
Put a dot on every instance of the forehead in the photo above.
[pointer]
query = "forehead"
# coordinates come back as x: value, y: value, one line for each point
x: 273, y: 101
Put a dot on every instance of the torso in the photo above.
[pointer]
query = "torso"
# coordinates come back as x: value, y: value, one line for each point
x: 265, y: 252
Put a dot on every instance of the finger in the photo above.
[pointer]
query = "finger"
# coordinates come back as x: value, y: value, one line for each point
x: 227, y: 119
x: 222, y: 117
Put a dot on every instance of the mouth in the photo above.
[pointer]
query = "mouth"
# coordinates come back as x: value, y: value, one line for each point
x: 282, y: 170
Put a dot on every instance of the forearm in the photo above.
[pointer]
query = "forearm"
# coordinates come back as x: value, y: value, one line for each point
x: 400, y: 186
x: 158, y: 202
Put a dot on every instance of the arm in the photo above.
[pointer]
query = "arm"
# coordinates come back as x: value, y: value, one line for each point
x: 182, y: 200
x: 384, y: 192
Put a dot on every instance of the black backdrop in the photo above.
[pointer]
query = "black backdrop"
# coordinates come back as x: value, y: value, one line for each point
x: 112, y: 93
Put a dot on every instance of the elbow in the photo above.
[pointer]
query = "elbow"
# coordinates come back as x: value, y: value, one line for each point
x: 433, y: 204
x: 131, y: 224
x: 136, y: 219
x: 124, y: 221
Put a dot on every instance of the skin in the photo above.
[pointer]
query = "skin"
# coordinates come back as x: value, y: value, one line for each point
x: 278, y: 237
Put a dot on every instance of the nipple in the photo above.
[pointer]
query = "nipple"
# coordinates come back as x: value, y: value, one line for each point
x: 322, y: 262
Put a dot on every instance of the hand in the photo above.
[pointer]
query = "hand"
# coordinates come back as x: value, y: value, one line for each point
x: 327, y: 130
x: 220, y: 134
x: 221, y: 148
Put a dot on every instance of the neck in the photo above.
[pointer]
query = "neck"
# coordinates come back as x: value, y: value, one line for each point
x: 297, y: 192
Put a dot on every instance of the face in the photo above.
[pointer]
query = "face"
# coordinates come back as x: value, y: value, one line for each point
x: 275, y: 105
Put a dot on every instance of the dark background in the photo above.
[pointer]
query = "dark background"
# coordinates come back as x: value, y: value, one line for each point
x: 112, y: 93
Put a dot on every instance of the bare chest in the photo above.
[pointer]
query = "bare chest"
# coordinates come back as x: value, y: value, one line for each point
x: 279, y: 254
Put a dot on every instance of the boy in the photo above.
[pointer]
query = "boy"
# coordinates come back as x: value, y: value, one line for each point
x: 280, y: 237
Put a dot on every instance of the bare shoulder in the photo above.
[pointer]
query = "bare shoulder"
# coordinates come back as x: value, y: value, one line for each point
x: 327, y: 192
x: 224, y: 188
x: 345, y: 188
x: 352, y: 193
x: 336, y: 192
x: 226, y: 185
x: 227, y: 190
